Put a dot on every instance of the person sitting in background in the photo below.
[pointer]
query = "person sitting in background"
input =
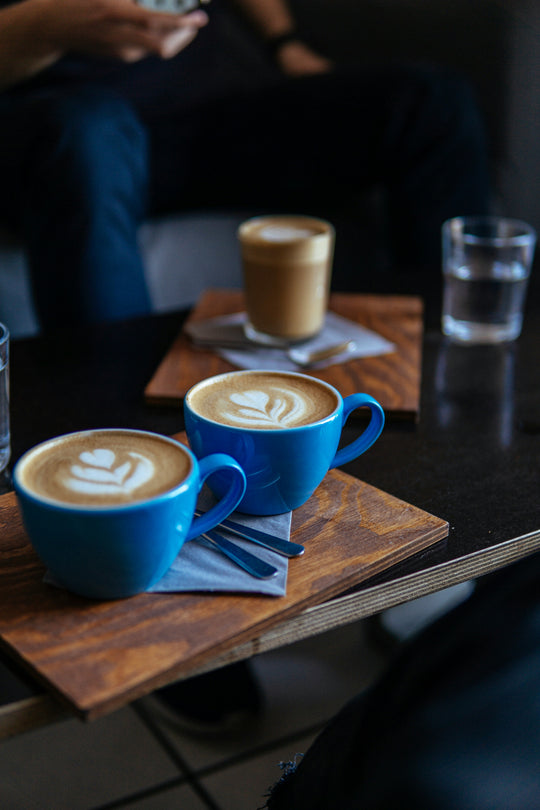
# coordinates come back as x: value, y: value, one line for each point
x: 111, y: 113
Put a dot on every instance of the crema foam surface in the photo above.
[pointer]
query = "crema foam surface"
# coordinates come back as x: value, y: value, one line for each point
x: 103, y: 468
x: 263, y: 401
x: 285, y: 233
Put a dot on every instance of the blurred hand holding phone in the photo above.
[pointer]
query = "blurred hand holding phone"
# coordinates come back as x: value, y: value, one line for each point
x: 172, y: 6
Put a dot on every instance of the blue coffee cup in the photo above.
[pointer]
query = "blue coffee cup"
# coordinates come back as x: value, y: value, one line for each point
x: 108, y: 550
x: 283, y: 465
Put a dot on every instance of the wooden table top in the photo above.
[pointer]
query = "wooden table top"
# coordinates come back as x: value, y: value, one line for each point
x: 99, y: 655
x: 393, y: 379
x: 472, y: 458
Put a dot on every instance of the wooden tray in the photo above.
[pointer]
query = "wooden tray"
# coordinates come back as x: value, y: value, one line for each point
x: 393, y: 379
x: 97, y: 656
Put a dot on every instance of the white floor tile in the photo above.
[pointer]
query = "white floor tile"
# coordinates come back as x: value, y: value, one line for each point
x: 303, y: 684
x: 74, y: 765
x: 404, y: 621
x: 181, y: 798
x: 13, y: 797
x: 245, y: 786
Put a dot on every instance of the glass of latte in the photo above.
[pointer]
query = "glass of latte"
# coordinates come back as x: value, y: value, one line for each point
x: 283, y: 428
x: 287, y: 267
x: 109, y: 510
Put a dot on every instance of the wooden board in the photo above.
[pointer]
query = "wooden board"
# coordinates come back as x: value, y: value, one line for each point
x: 97, y: 656
x: 393, y: 379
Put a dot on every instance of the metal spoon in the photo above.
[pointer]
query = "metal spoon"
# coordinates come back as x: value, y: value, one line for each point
x: 305, y: 359
x: 300, y: 357
x: 284, y: 547
x: 249, y: 562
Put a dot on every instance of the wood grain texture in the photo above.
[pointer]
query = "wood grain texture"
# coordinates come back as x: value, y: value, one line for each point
x: 97, y: 656
x: 393, y: 379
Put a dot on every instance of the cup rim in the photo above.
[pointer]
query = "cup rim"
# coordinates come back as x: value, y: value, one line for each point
x: 266, y: 431
x: 4, y: 334
x: 329, y: 228
x: 55, y: 503
x: 526, y: 236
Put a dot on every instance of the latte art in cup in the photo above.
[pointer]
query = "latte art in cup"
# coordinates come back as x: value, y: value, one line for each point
x: 108, y: 510
x: 282, y: 427
x: 263, y: 401
x: 104, y: 467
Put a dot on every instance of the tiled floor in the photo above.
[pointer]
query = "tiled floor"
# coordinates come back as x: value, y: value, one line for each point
x: 137, y: 760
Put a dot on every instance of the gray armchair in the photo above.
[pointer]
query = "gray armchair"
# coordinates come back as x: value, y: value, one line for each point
x: 183, y: 255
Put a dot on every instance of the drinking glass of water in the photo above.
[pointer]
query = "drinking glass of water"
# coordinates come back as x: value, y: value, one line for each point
x: 5, y: 443
x: 486, y: 267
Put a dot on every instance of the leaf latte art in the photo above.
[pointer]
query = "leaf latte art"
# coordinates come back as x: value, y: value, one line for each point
x: 262, y: 400
x: 279, y: 407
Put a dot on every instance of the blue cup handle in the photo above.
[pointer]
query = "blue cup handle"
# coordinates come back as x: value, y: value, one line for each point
x: 370, y: 434
x: 231, y: 499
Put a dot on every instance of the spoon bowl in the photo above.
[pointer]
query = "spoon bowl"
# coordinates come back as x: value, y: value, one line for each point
x: 305, y: 359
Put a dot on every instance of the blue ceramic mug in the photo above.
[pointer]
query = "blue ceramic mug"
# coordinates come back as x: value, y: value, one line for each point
x: 283, y: 428
x: 109, y: 510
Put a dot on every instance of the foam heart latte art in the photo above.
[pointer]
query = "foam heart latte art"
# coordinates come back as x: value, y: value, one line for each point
x: 101, y: 474
x: 104, y: 467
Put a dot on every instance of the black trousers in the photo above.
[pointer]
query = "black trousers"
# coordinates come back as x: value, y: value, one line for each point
x: 454, y: 724
x: 85, y: 156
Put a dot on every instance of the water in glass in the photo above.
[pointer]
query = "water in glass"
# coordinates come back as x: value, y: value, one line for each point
x: 484, y: 304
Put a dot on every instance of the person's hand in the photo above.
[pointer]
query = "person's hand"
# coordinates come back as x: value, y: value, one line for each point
x: 118, y: 29
x: 295, y: 58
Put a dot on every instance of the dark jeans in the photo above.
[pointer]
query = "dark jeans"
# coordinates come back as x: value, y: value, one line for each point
x: 83, y: 163
x: 453, y: 725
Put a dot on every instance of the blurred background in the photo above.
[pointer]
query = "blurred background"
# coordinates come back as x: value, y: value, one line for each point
x: 492, y: 42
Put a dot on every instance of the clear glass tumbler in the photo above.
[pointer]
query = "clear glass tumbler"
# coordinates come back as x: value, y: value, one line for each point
x: 5, y: 438
x: 486, y: 267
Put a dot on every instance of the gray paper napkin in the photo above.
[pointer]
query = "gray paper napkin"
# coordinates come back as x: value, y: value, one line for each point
x: 200, y: 567
x: 229, y: 329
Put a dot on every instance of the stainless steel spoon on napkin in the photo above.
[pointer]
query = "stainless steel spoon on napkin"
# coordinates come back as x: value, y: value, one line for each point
x: 249, y: 562
x: 284, y: 547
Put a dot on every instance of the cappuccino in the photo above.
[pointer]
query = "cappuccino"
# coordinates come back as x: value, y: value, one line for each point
x: 284, y: 230
x: 287, y: 263
x: 283, y: 428
x: 104, y: 467
x: 263, y: 400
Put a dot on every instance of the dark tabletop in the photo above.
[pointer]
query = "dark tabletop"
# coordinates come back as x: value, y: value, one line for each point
x: 472, y: 458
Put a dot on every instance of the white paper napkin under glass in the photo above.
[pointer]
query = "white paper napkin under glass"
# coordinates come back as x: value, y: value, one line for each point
x: 228, y: 329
